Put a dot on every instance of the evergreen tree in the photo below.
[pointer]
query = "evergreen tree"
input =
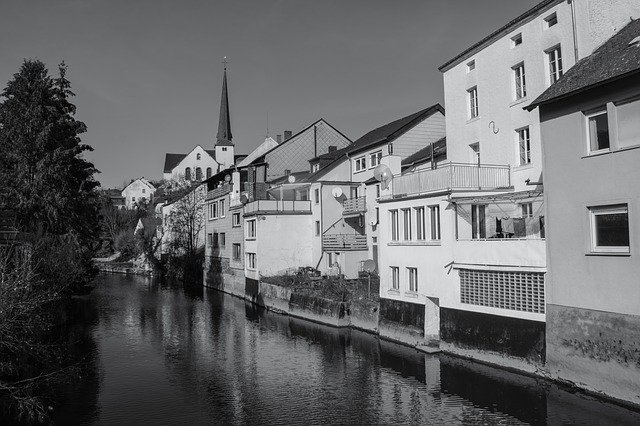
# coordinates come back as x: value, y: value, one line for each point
x: 43, y: 175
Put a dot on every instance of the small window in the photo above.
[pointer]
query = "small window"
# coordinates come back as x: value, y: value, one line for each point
x: 224, y: 148
x: 551, y: 20
x: 222, y: 211
x: 133, y: 199
x: 143, y: 190
x: 360, y: 164
x: 434, y: 214
x: 527, y: 209
x: 406, y: 224
x: 374, y: 159
x: 471, y: 65
x: 394, y: 224
x: 214, y: 210
x: 420, y: 222
x: 223, y: 239
x: 412, y: 275
x: 316, y: 195
x: 210, y: 239
x: 395, y: 278
x: 251, y: 228
x: 609, y: 229
x: 377, y: 215
x: 315, y: 167
x: 598, y: 131
x: 377, y: 190
x: 236, y: 251
x: 519, y: 80
x: 554, y: 59
x: 197, y: 156
x: 287, y: 172
x: 524, y: 146
x: 236, y: 219
x: 473, y: 102
x: 251, y: 261
x: 317, y: 228
x: 478, y: 225
x: 516, y: 40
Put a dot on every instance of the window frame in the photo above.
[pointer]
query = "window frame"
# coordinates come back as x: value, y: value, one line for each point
x: 421, y: 232
x: 588, y: 115
x: 318, y: 230
x: 222, y: 239
x: 412, y: 279
x: 516, y: 40
x: 251, y: 229
x: 393, y: 220
x: 251, y: 261
x: 235, y: 255
x: 395, y: 277
x: 471, y: 65
x: 407, y: 233
x: 360, y: 164
x: 434, y: 222
x: 519, y: 79
x: 377, y: 156
x: 551, y: 20
x: 524, y: 160
x: 601, y: 210
x: 235, y: 220
x: 316, y: 195
x: 221, y: 209
x: 472, y: 98
x: 554, y: 57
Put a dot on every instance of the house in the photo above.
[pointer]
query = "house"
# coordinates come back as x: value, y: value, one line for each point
x: 182, y: 215
x: 591, y: 137
x: 200, y: 163
x: 463, y: 243
x: 139, y: 191
x: 115, y: 198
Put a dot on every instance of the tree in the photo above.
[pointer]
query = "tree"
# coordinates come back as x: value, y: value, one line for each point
x: 43, y: 176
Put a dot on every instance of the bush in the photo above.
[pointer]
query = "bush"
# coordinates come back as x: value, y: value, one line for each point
x: 126, y: 244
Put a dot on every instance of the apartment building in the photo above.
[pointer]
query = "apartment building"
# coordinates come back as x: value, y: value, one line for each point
x: 591, y: 135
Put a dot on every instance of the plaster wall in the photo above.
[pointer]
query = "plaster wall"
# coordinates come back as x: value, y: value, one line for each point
x: 136, y: 191
x: 191, y: 161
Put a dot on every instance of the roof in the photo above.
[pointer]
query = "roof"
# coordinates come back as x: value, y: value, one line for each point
x: 172, y: 160
x: 391, y: 131
x: 224, y: 136
x: 615, y: 59
x: 508, y: 27
x: 299, y: 176
x: 439, y: 151
x: 141, y: 179
x: 224, y: 142
x: 265, y: 146
x: 331, y: 155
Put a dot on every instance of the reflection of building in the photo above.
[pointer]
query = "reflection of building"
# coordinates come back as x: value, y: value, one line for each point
x: 591, y: 132
x: 139, y: 191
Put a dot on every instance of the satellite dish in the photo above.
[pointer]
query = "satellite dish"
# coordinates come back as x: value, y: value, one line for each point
x: 336, y: 192
x: 227, y: 178
x: 373, y: 222
x: 244, y: 199
x: 383, y: 174
x: 292, y: 178
x: 369, y: 265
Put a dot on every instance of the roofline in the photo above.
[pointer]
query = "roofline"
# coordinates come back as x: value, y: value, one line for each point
x: 327, y: 168
x: 508, y: 27
x: 143, y: 180
x: 402, y: 130
x: 532, y: 106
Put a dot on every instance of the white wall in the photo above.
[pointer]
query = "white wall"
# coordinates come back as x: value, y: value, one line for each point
x: 191, y: 161
x: 137, y: 190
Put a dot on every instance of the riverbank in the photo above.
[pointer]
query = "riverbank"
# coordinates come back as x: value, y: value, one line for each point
x: 127, y: 268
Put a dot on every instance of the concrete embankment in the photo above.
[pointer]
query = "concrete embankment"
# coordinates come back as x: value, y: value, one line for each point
x: 121, y: 268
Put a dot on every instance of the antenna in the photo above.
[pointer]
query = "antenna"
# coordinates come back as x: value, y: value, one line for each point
x: 225, y: 62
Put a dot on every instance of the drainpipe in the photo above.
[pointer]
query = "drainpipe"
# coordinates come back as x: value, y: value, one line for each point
x: 573, y: 26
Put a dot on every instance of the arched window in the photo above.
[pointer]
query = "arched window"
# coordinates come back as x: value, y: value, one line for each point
x: 208, y: 172
x: 187, y: 173
x: 198, y: 174
x: 197, y: 156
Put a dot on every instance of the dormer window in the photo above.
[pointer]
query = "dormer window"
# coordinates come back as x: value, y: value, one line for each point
x: 315, y: 167
x: 197, y: 156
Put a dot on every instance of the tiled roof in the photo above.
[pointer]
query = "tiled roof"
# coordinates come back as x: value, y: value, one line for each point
x: 615, y: 59
x: 508, y: 27
x: 299, y: 176
x: 391, y: 131
x: 331, y: 155
x: 171, y: 161
x: 439, y: 152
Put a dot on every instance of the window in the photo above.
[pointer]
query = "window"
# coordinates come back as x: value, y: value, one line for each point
x: 471, y: 66
x: 317, y: 228
x: 478, y: 229
x: 517, y: 291
x: 197, y: 156
x: 473, y: 102
x: 406, y: 224
x: 360, y: 164
x: 377, y: 215
x: 287, y: 172
x: 214, y: 242
x: 394, y: 224
x: 208, y: 172
x: 251, y: 228
x: 609, y: 229
x: 332, y: 259
x: 222, y: 212
x: 210, y: 239
x: 420, y: 231
x: 187, y: 173
x: 316, y: 195
x: 520, y: 85
x: 598, y: 131
x: 315, y: 167
x: 551, y: 20
x: 524, y: 146
x: 628, y: 126
x: 133, y: 199
x: 374, y: 159
x: 236, y: 251
x: 378, y: 190
x: 251, y: 261
x: 235, y: 219
x: 434, y: 214
x: 223, y: 239
x: 516, y: 40
x: 143, y: 190
x: 395, y: 278
x: 554, y: 58
x: 412, y: 275
x: 475, y: 153
x: 224, y: 148
x: 527, y: 209
x: 213, y: 210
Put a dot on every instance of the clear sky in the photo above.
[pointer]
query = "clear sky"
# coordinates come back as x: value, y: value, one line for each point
x: 148, y: 73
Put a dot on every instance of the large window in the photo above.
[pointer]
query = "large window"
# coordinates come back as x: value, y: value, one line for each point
x: 360, y: 164
x: 524, y: 146
x: 520, y: 85
x: 420, y: 230
x: 251, y: 261
x: 473, y: 102
x: 374, y: 159
x: 251, y: 228
x: 395, y: 278
x: 609, y: 229
x: 598, y: 131
x: 478, y: 228
x: 236, y: 251
x: 412, y: 277
x: 554, y: 58
x: 434, y: 214
x: 394, y: 224
x: 406, y: 224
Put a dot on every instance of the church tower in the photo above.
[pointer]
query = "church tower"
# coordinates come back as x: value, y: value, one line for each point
x: 224, y: 148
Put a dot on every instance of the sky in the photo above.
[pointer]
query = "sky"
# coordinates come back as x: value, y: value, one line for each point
x: 148, y: 73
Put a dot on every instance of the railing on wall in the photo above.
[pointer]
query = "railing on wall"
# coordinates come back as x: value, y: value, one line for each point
x: 344, y: 242
x: 354, y: 205
x: 282, y: 206
x: 452, y: 176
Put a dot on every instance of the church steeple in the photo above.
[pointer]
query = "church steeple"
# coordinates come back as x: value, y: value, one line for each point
x: 224, y: 122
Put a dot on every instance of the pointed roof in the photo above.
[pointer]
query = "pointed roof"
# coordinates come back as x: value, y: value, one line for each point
x: 224, y: 136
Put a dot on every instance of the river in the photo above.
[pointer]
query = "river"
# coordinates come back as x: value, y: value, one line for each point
x: 160, y: 354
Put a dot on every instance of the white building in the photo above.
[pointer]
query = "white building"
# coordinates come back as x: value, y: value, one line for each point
x: 139, y: 191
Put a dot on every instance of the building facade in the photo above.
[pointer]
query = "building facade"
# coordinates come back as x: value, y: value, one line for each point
x: 139, y: 191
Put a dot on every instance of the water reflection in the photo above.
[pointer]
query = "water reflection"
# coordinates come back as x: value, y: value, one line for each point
x: 167, y: 355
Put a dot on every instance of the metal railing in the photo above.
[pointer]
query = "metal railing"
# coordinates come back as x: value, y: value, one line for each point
x: 354, y: 205
x: 344, y: 242
x: 282, y: 206
x: 452, y: 176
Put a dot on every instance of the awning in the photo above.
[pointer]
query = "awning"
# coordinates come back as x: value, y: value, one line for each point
x: 505, y: 197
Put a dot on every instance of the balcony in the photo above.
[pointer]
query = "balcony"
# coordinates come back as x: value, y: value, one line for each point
x: 452, y: 176
x: 344, y: 242
x: 256, y: 190
x: 278, y: 207
x: 354, y: 206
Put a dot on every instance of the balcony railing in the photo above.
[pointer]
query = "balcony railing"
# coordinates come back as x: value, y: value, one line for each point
x: 354, y: 206
x: 278, y: 206
x: 344, y: 242
x: 452, y: 176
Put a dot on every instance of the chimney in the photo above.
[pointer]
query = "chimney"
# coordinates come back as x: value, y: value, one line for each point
x: 287, y: 134
x: 332, y: 148
x: 279, y: 138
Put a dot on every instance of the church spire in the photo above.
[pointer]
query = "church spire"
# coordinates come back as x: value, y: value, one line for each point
x: 224, y: 122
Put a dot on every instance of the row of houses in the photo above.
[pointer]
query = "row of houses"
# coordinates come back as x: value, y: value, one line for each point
x: 501, y: 225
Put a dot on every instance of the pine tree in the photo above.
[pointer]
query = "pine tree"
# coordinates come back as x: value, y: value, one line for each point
x: 43, y: 175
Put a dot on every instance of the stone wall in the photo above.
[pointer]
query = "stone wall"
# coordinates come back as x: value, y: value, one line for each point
x: 402, y: 321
